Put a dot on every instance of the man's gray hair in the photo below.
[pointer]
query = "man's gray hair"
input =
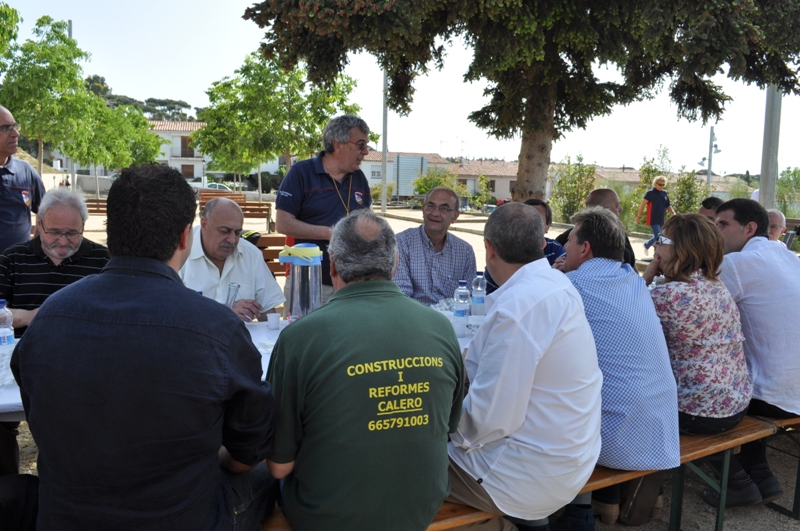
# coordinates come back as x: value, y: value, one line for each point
x: 212, y: 204
x: 363, y: 247
x: 338, y: 130
x: 63, y: 197
x: 446, y: 189
x: 603, y: 230
x: 516, y: 231
x: 779, y: 213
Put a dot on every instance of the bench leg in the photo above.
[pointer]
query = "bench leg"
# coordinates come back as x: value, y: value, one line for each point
x: 676, y: 504
x: 795, y: 512
x: 723, y: 489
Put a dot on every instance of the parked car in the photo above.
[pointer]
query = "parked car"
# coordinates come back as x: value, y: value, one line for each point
x: 218, y: 186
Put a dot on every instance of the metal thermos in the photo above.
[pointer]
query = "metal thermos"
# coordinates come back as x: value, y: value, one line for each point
x: 305, y: 279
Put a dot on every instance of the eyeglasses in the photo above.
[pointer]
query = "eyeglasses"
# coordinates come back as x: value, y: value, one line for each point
x: 70, y: 235
x: 444, y: 209
x: 361, y: 144
x: 4, y: 129
x: 663, y: 240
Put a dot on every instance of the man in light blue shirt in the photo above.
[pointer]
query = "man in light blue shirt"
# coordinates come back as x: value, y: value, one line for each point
x: 639, y: 424
x: 431, y: 261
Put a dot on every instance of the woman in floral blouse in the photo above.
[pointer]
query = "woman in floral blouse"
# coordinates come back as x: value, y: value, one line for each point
x: 701, y: 326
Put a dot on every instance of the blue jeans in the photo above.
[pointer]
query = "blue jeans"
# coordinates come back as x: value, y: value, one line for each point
x: 254, y: 494
x: 656, y: 231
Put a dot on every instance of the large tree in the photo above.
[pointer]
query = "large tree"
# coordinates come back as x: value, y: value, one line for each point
x: 43, y: 86
x: 9, y: 24
x: 540, y: 56
x: 265, y: 111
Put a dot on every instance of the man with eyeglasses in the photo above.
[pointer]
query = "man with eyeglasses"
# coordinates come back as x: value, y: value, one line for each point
x: 431, y: 261
x: 31, y: 271
x: 762, y: 279
x: 318, y: 192
x: 21, y: 188
x: 219, y: 257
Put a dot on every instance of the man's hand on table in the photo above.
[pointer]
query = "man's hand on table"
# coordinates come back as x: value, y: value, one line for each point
x: 22, y: 318
x: 247, y: 309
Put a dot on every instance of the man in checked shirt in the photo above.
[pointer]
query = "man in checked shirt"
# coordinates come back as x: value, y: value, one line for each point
x: 432, y: 261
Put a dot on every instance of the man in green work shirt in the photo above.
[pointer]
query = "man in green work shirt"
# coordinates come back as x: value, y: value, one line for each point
x: 367, y: 389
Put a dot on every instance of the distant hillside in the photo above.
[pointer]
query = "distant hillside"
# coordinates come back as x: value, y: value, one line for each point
x: 46, y: 168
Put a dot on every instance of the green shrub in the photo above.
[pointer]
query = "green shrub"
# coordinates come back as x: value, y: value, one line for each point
x: 375, y: 192
x: 571, y: 184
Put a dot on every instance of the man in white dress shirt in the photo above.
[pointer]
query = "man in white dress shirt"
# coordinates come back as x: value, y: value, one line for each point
x: 763, y: 280
x: 220, y: 257
x: 529, y: 434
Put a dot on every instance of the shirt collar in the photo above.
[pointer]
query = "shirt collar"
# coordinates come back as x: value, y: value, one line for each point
x: 142, y: 266
x: 367, y: 286
x: 197, y: 247
x: 426, y: 241
x: 9, y: 165
x: 527, y: 269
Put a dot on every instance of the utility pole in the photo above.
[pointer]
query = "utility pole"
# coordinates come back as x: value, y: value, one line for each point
x: 769, y: 151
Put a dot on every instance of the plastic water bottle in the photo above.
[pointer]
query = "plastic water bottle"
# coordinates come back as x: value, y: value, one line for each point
x: 6, y: 325
x: 461, y: 309
x: 478, y: 294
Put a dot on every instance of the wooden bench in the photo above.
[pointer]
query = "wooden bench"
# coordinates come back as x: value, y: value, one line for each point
x: 271, y: 246
x: 788, y: 427
x: 450, y: 516
x: 96, y: 206
x: 205, y: 197
x: 693, y: 447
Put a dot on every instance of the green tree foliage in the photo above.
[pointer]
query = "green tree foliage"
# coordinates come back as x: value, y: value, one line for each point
x: 436, y: 176
x: 787, y: 192
x: 572, y: 182
x: 482, y: 193
x: 375, y: 191
x: 168, y: 110
x: 97, y: 85
x: 9, y: 25
x: 738, y: 189
x: 688, y: 191
x: 43, y: 86
x: 540, y: 58
x: 264, y: 111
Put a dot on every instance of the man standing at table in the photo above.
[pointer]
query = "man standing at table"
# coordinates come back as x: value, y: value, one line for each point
x: 145, y: 398
x: 431, y: 261
x: 21, y: 188
x: 762, y: 278
x: 318, y: 192
x: 219, y: 256
x: 529, y: 435
x: 708, y: 207
x: 363, y: 410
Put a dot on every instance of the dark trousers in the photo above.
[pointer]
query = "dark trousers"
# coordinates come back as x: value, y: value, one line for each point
x: 9, y: 449
x: 755, y: 453
x: 707, y: 425
x: 19, y: 502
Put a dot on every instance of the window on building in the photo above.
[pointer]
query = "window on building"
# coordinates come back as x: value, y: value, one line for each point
x: 463, y: 181
x: 376, y: 174
x: 491, y: 185
x: 187, y: 170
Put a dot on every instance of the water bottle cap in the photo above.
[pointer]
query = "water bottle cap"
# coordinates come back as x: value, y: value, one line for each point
x: 462, y: 283
x: 2, y: 303
x: 479, y: 273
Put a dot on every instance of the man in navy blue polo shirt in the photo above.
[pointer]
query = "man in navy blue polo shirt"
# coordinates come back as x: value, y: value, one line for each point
x: 318, y: 192
x: 21, y: 188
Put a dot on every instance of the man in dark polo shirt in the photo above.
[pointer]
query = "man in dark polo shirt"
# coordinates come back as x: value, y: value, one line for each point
x: 58, y: 256
x: 318, y: 192
x: 21, y: 188
x: 33, y: 270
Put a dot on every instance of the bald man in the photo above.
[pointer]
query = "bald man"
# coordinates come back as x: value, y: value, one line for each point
x: 608, y: 199
x: 220, y: 257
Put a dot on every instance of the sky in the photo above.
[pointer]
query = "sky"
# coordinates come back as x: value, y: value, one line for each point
x: 177, y: 49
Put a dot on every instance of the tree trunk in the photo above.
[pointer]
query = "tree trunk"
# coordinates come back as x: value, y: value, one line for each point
x: 534, y: 156
x: 288, y: 158
x: 40, y: 156
x: 259, y: 185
